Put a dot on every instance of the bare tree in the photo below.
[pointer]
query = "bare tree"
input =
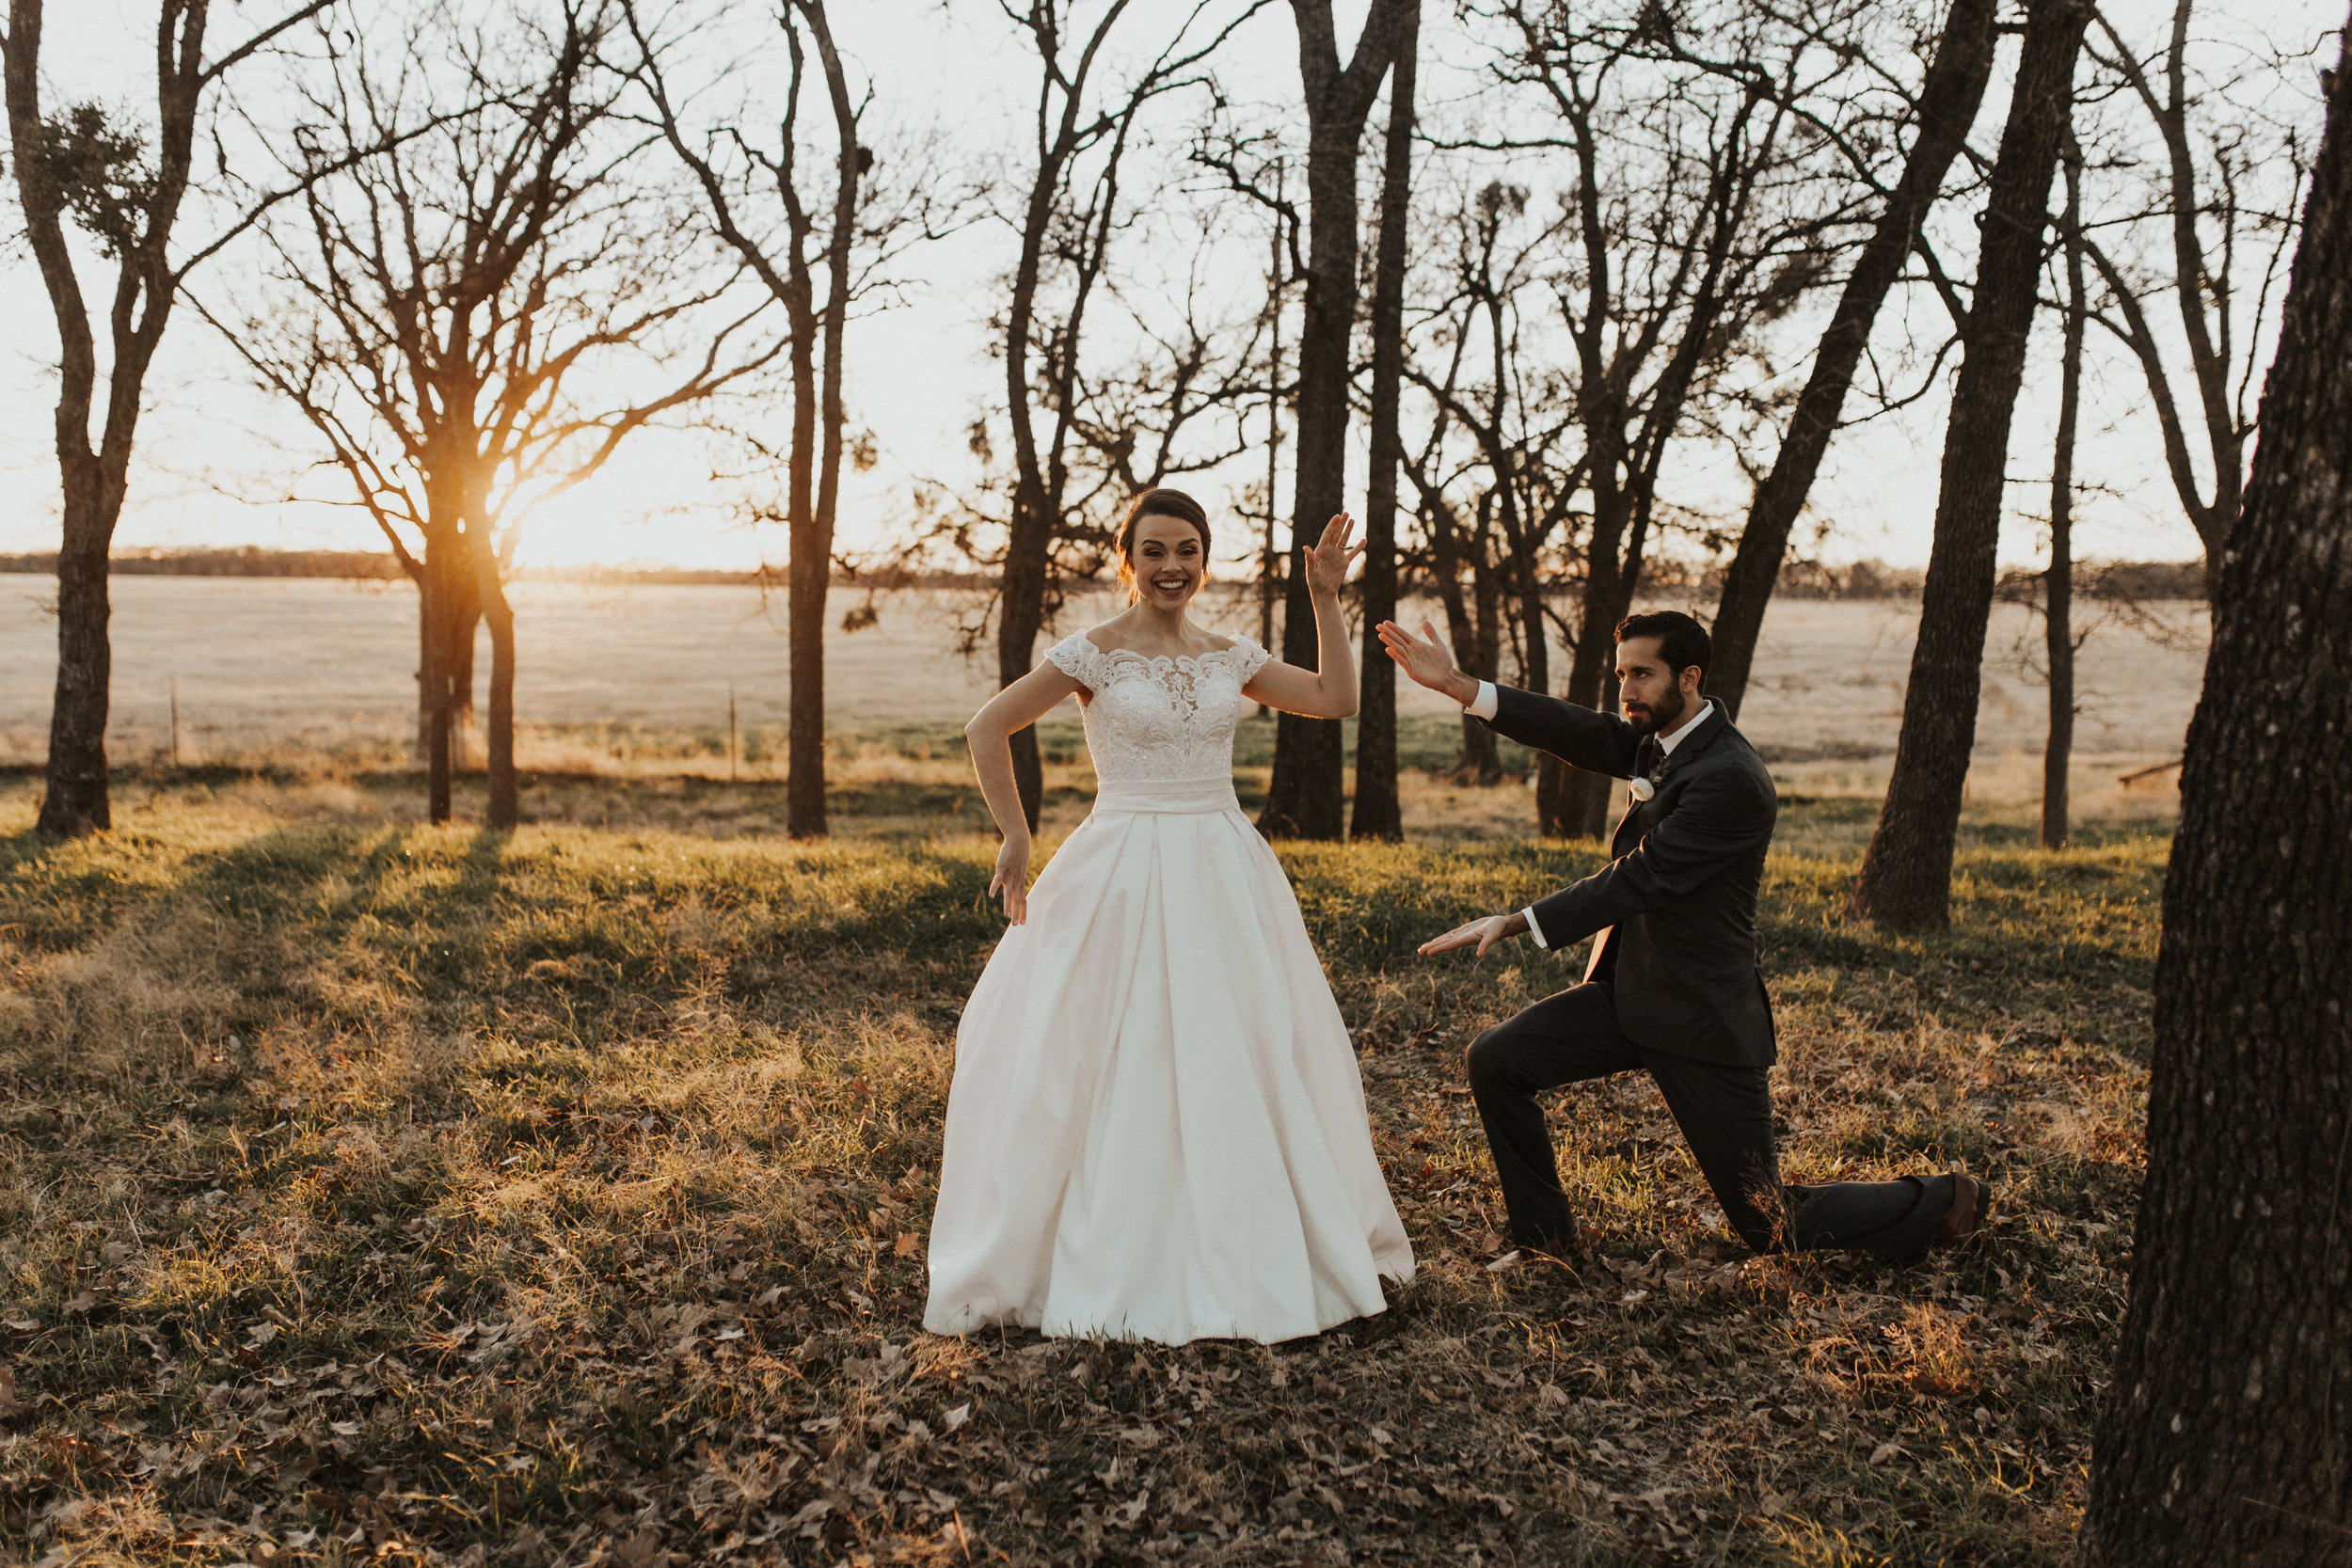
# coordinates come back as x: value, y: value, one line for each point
x: 448, y: 317
x: 1305, y: 793
x: 81, y: 165
x: 1697, y: 214
x: 732, y: 176
x: 1378, y: 813
x: 2226, y: 1433
x: 1905, y: 880
x: 1070, y: 211
x: 2058, y: 597
x: 1457, y: 553
x: 2212, y: 216
x: 1947, y: 107
x: 1516, y: 421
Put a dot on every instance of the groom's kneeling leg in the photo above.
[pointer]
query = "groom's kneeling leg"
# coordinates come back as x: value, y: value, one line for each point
x: 1561, y: 1039
x: 1725, y: 1113
x: 1893, y: 1219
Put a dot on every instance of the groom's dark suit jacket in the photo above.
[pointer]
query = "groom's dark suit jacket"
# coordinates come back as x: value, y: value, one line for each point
x: 1676, y: 903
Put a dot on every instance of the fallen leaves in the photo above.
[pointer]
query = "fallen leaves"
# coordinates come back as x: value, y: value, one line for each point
x: 499, y: 1278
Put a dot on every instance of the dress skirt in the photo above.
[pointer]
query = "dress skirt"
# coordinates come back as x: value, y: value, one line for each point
x: 1157, y: 1129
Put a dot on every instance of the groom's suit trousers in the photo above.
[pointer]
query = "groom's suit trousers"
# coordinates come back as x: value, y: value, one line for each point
x: 1725, y: 1113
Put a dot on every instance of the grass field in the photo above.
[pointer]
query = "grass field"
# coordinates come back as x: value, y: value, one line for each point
x: 375, y: 1191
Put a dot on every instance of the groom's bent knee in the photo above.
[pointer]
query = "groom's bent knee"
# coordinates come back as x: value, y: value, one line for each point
x: 1487, y: 1060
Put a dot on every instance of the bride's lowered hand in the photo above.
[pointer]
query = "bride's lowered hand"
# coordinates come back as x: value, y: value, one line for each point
x: 1012, y: 878
x: 989, y: 735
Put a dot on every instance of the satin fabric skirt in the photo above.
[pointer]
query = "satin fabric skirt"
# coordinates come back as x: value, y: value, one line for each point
x: 1157, y: 1129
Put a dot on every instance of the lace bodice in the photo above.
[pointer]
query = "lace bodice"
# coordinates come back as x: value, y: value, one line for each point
x: 1160, y: 721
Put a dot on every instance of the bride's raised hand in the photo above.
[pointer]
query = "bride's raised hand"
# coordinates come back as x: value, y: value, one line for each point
x: 1328, y: 559
x: 1013, y: 881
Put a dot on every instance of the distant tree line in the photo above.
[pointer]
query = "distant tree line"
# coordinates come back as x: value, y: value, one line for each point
x: 250, y: 560
x: 2153, y: 580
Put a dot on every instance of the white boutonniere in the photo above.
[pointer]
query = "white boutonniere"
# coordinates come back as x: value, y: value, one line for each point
x: 1645, y: 789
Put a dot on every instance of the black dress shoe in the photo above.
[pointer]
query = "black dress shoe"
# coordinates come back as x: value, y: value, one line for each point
x: 1570, y: 1252
x: 1970, y: 1213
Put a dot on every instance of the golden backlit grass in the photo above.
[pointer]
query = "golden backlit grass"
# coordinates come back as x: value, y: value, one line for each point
x: 375, y: 1191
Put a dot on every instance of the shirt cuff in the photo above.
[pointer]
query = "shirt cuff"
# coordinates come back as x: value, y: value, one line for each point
x: 1482, y: 706
x: 1533, y: 929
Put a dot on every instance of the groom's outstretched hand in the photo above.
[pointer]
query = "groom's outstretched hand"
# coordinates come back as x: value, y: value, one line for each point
x: 1426, y: 659
x: 1485, y: 932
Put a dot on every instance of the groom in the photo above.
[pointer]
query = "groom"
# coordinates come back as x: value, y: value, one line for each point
x: 1673, y: 988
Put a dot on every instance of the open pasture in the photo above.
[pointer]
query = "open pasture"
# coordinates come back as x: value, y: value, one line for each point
x: 374, y: 1191
x: 636, y: 680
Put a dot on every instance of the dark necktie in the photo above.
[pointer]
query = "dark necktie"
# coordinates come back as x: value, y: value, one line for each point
x: 1645, y: 756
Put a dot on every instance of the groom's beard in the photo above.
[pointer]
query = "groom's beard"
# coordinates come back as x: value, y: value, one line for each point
x: 1657, y: 720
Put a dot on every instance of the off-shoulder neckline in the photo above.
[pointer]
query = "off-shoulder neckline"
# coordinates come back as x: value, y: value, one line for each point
x: 1232, y: 645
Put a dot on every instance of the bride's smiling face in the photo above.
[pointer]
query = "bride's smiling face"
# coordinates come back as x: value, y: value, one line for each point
x: 1167, y: 561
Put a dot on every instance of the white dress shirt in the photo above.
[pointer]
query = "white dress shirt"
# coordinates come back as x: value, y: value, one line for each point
x: 1483, y: 706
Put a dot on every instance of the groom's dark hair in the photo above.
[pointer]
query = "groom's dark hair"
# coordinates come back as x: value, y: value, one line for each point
x: 1681, y: 641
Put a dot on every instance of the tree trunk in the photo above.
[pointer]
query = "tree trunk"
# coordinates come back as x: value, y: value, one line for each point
x: 434, y: 599
x: 75, y: 802
x: 2227, y: 1437
x: 1030, y: 531
x: 1378, y: 813
x: 465, y: 615
x: 809, y: 577
x: 505, y: 804
x: 1570, y: 803
x: 1948, y: 100
x: 93, y: 480
x: 2058, y: 582
x: 806, y: 804
x: 462, y: 612
x: 1020, y: 617
x: 809, y: 574
x: 1305, y: 795
x: 1304, y: 790
x: 1480, y: 749
x: 1479, y: 757
x: 1906, y: 874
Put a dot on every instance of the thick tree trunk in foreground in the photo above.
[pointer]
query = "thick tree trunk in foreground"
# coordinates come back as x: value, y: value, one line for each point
x: 1906, y: 874
x: 1305, y: 798
x: 1378, y: 814
x: 2227, y: 1437
x: 2057, y: 604
x: 1948, y: 100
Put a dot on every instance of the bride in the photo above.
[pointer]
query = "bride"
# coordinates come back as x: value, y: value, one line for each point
x: 1156, y: 1129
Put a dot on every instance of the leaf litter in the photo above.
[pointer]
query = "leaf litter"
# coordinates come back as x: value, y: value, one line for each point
x: 619, y: 1261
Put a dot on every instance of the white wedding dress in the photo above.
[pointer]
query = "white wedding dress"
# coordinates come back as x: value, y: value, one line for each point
x: 1156, y: 1129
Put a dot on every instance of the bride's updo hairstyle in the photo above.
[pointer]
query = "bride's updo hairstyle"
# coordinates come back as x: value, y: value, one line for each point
x: 1158, y: 503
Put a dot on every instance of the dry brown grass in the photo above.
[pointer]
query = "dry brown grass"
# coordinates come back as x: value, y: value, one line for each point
x: 369, y: 1190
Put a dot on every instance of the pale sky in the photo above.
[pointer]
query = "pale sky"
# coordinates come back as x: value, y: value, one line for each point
x: 217, y: 459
